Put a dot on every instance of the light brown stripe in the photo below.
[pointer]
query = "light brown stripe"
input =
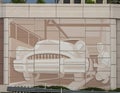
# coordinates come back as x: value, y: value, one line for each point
x: 82, y: 25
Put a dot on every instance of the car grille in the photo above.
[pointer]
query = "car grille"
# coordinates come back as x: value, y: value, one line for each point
x: 47, y: 56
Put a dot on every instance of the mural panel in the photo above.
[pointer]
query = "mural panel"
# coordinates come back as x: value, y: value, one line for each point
x: 74, y: 53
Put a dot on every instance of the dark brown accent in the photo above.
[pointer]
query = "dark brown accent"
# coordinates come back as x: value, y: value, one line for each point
x: 14, y: 75
x: 22, y: 34
x: 1, y: 50
x: 47, y: 56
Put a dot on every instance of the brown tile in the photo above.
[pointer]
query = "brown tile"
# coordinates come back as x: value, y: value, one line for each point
x: 14, y: 75
x: 12, y: 30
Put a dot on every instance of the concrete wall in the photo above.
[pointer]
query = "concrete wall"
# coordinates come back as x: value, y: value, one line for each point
x: 66, y: 11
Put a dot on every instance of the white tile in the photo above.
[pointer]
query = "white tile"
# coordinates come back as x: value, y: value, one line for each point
x: 113, y: 58
x: 6, y: 63
x: 6, y: 77
x: 113, y: 83
x: 6, y: 25
x: 6, y: 37
x: 113, y: 31
x: 113, y: 44
x: 113, y: 71
x: 5, y: 50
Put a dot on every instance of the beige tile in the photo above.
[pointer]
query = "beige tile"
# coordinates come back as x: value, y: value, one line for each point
x: 118, y: 25
x: 118, y: 50
x: 24, y: 21
x: 39, y: 25
x: 72, y: 31
x: 105, y: 36
x: 106, y: 28
x: 95, y: 10
x: 118, y: 77
x: 72, y: 21
x: 118, y: 64
x: 92, y: 34
x: 114, y: 11
x: 92, y: 49
x: 69, y: 10
x: 12, y: 10
x: 93, y: 21
x: 52, y: 35
x: 93, y: 28
x: 113, y: 21
x: 37, y: 10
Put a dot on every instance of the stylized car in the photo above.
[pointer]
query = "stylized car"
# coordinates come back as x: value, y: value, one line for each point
x: 51, y: 56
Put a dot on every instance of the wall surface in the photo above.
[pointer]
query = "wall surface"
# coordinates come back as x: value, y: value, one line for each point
x: 79, y: 41
x: 71, y: 52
